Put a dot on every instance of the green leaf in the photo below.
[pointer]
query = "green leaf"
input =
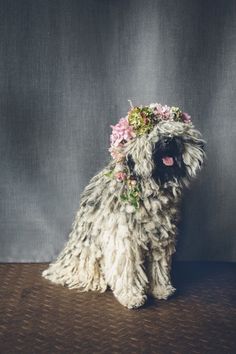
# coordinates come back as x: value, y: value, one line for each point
x: 108, y: 174
x: 123, y: 197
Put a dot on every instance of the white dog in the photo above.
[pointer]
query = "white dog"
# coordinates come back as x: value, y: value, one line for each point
x: 124, y: 233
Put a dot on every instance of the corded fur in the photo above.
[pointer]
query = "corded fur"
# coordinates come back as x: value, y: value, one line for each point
x: 111, y: 244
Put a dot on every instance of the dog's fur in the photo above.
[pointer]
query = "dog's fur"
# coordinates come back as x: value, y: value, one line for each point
x: 111, y: 244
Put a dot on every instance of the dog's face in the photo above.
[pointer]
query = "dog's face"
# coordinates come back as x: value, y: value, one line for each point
x: 167, y: 159
x: 173, y: 151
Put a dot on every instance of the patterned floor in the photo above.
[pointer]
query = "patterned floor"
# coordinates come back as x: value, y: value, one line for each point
x: 38, y: 317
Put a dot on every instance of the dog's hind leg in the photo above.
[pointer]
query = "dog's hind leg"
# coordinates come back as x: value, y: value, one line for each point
x: 78, y: 269
x: 159, y: 268
x: 78, y: 265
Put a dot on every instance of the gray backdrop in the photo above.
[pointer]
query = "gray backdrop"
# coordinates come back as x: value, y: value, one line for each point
x: 67, y: 69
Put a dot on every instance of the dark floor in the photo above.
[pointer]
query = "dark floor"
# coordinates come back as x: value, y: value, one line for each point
x: 38, y: 317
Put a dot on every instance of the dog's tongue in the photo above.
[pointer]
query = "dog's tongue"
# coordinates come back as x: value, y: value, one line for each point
x: 168, y: 160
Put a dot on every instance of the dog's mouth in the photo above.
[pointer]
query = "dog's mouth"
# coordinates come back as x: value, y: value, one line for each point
x: 169, y: 161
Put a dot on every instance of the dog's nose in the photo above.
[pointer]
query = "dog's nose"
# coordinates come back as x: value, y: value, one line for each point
x: 167, y: 140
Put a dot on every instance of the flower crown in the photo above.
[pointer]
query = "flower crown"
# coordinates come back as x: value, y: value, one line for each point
x: 138, y: 121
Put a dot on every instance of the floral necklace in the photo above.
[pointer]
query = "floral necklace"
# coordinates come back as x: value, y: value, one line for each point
x: 132, y: 187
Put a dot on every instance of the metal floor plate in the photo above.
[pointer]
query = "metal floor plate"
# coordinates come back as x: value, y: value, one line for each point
x: 39, y: 317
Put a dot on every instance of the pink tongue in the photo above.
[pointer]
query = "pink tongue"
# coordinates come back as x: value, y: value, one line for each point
x: 168, y: 160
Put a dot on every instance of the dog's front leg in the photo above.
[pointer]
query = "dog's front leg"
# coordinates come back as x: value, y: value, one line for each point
x: 159, y: 267
x: 129, y: 279
x: 124, y: 270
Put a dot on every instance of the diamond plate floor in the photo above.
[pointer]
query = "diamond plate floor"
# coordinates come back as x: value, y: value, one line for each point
x: 38, y: 317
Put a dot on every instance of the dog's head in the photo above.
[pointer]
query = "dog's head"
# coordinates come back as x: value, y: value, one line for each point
x: 172, y: 151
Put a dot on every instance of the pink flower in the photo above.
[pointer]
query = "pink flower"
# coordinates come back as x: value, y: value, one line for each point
x: 166, y: 112
x: 157, y: 109
x: 186, y: 117
x: 120, y: 176
x: 122, y: 131
x: 161, y: 111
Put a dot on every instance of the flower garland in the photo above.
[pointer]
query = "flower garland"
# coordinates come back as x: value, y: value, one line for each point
x: 132, y: 193
x: 138, y: 121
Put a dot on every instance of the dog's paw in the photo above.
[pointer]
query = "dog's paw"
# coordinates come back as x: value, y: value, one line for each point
x: 163, y: 293
x: 132, y: 301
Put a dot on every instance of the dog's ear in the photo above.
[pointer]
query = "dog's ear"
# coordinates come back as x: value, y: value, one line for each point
x: 194, y: 154
x: 130, y: 163
x: 199, y: 142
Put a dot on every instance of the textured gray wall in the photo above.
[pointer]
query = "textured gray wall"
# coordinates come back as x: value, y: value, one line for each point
x: 67, y: 69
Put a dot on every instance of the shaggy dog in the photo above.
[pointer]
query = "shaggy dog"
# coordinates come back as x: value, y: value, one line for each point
x: 124, y: 233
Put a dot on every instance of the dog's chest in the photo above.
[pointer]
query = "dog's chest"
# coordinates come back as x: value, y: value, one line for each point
x: 158, y: 215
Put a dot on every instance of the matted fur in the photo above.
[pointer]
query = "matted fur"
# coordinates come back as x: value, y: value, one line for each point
x: 111, y: 244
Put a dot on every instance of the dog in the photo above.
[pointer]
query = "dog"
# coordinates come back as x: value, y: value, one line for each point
x: 125, y: 231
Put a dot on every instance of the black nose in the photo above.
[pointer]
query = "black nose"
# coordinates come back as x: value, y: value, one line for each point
x: 167, y: 140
